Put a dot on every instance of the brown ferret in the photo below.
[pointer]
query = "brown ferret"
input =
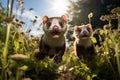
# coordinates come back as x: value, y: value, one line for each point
x: 83, y: 44
x: 52, y: 42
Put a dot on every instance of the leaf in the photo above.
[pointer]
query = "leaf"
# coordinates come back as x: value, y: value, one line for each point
x: 24, y: 68
x: 105, y: 32
x: 101, y: 32
x: 46, y: 65
x: 88, y: 77
x: 109, y: 41
x: 94, y: 40
x: 16, y: 44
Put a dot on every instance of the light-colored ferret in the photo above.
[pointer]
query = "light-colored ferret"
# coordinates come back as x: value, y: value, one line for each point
x: 83, y: 44
x: 52, y: 42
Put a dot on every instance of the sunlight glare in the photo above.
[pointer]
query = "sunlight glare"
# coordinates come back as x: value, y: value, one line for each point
x: 60, y: 6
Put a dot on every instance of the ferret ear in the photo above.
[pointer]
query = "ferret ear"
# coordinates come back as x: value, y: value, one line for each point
x: 89, y: 26
x: 76, y: 28
x: 45, y: 19
x: 64, y: 18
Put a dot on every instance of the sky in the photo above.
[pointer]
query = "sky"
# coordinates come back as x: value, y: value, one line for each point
x: 41, y: 8
x: 47, y: 7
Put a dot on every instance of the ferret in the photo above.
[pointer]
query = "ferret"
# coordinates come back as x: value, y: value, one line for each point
x: 52, y: 42
x: 84, y: 47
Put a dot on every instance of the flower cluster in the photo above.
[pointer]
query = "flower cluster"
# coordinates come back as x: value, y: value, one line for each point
x: 18, y: 23
x: 116, y: 10
x: 90, y: 15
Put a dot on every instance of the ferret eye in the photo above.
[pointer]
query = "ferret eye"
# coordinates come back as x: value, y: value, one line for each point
x: 48, y: 24
x: 77, y: 29
x: 61, y: 24
x: 80, y: 30
x: 88, y: 29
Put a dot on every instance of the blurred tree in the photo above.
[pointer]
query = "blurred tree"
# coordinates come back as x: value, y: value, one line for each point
x: 79, y: 10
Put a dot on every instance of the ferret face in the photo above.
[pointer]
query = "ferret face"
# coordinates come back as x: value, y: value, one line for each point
x: 55, y: 26
x: 83, y: 31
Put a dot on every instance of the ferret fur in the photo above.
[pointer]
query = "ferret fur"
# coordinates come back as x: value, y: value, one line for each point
x: 52, y: 42
x: 84, y: 47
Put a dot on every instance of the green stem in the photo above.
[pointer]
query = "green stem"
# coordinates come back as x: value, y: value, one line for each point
x: 4, y: 62
x: 90, y: 20
x: 117, y: 58
x: 6, y: 42
x: 8, y: 7
x: 118, y: 22
x: 17, y: 74
x: 12, y: 3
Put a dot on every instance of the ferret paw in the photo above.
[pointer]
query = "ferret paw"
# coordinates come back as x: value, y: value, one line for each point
x: 39, y: 56
x: 81, y: 58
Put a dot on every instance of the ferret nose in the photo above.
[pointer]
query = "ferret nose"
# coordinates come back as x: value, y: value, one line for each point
x: 85, y: 32
x: 56, y: 28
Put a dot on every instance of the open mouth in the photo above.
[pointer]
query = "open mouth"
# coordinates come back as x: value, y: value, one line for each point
x: 84, y: 36
x: 55, y: 34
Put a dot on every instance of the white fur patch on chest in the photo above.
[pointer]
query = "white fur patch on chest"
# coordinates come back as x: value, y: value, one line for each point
x: 53, y: 42
x: 86, y: 43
